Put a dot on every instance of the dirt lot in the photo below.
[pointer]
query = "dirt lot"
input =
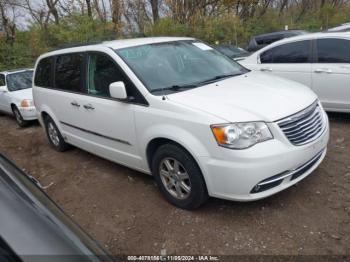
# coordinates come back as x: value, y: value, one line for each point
x: 124, y: 210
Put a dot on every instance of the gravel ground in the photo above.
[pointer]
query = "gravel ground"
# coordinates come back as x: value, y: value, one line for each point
x: 124, y: 210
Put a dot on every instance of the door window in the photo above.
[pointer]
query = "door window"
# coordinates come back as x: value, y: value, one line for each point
x: 102, y: 71
x: 333, y: 51
x: 291, y: 53
x: 2, y: 80
x: 43, y: 74
x: 68, y: 72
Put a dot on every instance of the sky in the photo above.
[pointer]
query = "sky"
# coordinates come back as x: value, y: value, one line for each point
x: 23, y: 18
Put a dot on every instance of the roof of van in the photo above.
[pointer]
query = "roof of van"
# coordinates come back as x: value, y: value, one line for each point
x: 119, y: 44
x: 315, y: 35
x: 344, y: 27
x: 307, y: 37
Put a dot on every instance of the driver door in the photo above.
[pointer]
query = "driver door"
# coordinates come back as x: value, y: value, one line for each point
x: 107, y: 125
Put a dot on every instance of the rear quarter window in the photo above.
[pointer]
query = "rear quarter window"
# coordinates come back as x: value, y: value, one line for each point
x: 43, y: 74
x: 333, y: 51
x: 2, y: 80
x: 69, y: 72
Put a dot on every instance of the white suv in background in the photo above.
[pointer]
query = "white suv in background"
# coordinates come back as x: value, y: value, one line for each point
x: 16, y: 95
x: 174, y: 107
x: 320, y: 61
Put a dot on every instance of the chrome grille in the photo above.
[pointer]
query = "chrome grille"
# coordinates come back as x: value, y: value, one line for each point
x: 305, y: 126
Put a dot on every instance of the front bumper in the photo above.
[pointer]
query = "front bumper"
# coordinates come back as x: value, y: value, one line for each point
x: 28, y: 113
x: 239, y: 175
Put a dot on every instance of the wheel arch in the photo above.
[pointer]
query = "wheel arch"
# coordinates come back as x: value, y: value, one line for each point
x: 156, y: 142
x: 46, y: 112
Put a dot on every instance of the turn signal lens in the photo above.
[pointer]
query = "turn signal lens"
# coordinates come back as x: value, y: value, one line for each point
x: 225, y: 134
x: 26, y: 103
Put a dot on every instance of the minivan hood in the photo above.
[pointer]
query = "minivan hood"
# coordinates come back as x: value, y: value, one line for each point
x: 250, y: 97
x: 23, y: 94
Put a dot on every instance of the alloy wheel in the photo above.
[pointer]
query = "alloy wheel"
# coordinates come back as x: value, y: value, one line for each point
x: 18, y: 116
x: 53, y: 134
x: 175, y: 178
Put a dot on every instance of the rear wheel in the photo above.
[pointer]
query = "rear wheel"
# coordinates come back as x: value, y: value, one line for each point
x: 18, y: 117
x: 53, y: 134
x: 178, y: 176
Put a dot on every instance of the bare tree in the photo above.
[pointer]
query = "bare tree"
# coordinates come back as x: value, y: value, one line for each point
x: 52, y: 6
x: 116, y: 7
x: 101, y: 13
x: 8, y: 22
x: 89, y: 8
x: 155, y: 10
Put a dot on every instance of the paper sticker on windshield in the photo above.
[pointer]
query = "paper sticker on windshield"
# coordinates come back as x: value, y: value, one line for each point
x: 202, y: 46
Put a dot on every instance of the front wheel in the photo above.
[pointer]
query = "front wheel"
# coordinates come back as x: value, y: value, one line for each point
x: 53, y: 134
x: 19, y: 119
x: 178, y: 176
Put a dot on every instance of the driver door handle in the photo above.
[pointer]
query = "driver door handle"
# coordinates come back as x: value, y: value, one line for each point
x: 89, y: 107
x: 74, y: 103
x: 323, y: 70
x: 266, y: 69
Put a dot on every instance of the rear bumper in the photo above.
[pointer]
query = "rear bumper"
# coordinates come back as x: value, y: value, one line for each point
x: 28, y: 113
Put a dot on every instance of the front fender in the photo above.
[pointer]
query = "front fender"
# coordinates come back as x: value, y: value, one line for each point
x: 15, y: 102
x: 174, y: 133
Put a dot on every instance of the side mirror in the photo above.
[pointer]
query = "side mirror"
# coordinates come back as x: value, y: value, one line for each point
x: 118, y: 90
x: 3, y: 89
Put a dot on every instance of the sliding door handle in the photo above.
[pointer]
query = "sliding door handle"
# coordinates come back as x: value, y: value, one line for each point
x: 74, y: 103
x: 89, y: 107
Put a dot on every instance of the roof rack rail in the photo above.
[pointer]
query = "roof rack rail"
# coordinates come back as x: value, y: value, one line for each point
x: 18, y: 69
x: 65, y: 46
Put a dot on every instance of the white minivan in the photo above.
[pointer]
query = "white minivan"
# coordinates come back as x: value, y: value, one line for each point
x: 175, y: 108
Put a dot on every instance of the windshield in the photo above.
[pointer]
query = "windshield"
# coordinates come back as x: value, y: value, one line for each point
x: 181, y: 64
x: 19, y: 81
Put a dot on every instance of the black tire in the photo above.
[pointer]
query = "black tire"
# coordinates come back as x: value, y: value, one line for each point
x: 58, y: 144
x: 19, y: 119
x: 198, y: 194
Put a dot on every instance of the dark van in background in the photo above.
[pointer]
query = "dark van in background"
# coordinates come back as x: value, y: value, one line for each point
x: 259, y: 41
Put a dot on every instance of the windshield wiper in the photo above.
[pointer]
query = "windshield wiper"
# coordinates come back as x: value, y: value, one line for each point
x: 190, y: 86
x: 175, y: 88
x: 218, y: 77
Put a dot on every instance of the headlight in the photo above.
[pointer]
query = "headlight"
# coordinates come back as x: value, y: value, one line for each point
x: 241, y: 135
x: 26, y: 103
